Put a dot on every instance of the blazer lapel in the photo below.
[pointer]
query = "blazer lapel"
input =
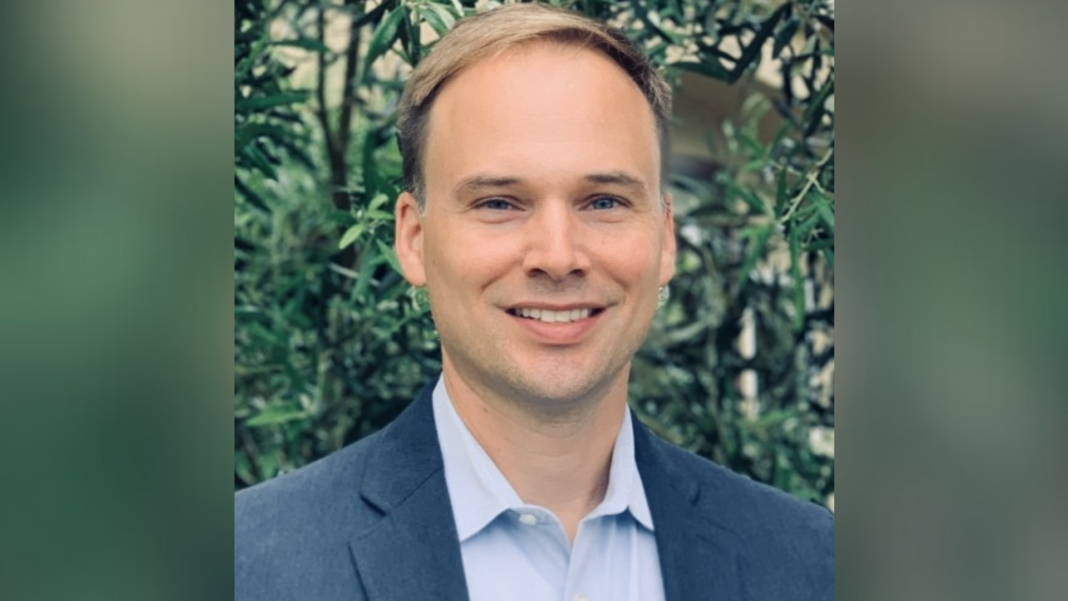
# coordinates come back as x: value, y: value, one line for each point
x: 698, y: 558
x: 413, y: 552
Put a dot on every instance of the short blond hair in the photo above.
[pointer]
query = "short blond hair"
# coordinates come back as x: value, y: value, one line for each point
x: 488, y: 34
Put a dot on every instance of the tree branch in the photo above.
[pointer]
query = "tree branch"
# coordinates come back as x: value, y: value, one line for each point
x: 348, y: 96
x: 335, y: 153
x: 320, y: 89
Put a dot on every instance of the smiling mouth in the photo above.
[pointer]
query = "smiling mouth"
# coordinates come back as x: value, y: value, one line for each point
x: 547, y: 316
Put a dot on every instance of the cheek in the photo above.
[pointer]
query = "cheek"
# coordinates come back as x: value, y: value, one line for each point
x: 632, y: 258
x: 465, y: 261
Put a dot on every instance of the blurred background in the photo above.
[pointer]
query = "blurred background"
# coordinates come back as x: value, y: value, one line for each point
x: 329, y: 341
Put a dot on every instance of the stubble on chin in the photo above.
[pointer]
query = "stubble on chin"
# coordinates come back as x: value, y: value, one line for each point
x: 556, y: 390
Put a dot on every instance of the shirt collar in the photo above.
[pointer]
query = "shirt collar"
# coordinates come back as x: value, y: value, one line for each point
x: 479, y: 492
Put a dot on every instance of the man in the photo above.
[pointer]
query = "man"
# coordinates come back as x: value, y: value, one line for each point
x: 535, y: 218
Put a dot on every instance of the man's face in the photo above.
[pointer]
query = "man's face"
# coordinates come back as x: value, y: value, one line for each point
x: 543, y: 240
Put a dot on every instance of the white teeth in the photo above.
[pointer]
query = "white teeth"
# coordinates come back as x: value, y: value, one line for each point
x: 554, y: 316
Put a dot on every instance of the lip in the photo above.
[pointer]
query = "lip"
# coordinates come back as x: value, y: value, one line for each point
x: 554, y: 307
x: 558, y: 333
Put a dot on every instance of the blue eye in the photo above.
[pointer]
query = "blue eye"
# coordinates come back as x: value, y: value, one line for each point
x: 603, y: 203
x: 496, y: 204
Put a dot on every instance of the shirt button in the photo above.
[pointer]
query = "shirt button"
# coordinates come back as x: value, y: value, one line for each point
x: 528, y: 518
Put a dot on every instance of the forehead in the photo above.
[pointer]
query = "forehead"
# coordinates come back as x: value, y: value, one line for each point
x: 541, y: 110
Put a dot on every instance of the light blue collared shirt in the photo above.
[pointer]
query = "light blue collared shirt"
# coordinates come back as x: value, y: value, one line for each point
x: 513, y: 551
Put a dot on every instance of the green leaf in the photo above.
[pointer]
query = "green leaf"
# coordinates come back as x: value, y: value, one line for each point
x: 415, y: 42
x: 780, y: 195
x: 244, y: 68
x: 814, y: 112
x: 259, y: 103
x: 260, y: 161
x: 795, y: 275
x: 377, y: 214
x: 804, y: 227
x: 439, y: 17
x: 390, y: 255
x: 384, y: 37
x: 758, y: 242
x: 748, y: 196
x: 378, y: 201
x: 352, y: 234
x: 305, y: 43
x: 408, y: 33
x: 372, y: 178
x: 754, y: 165
x: 368, y: 261
x: 660, y: 31
x: 274, y: 416
x: 246, y: 133
x: 826, y: 215
x: 372, y: 17
x: 434, y: 20
x: 709, y: 68
x: 249, y: 195
x: 752, y: 51
x: 821, y: 244
x: 787, y: 33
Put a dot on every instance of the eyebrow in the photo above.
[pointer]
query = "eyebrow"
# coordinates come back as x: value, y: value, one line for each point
x: 477, y: 183
x: 617, y: 178
x: 480, y: 182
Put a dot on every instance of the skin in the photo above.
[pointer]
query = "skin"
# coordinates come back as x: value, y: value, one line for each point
x: 542, y: 179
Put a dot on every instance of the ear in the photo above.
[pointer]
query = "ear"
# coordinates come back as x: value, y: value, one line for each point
x: 668, y: 248
x: 408, y: 239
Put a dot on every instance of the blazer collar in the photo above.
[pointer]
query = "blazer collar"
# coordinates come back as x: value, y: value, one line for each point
x: 412, y: 552
x: 698, y: 557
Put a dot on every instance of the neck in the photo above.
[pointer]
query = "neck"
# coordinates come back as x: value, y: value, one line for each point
x: 559, y: 461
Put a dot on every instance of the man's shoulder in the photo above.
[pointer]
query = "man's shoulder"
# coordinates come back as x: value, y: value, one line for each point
x: 741, y: 500
x: 317, y: 483
x: 296, y: 526
x: 763, y: 519
x: 333, y: 484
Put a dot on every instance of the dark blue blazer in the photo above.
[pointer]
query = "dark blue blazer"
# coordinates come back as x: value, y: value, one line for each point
x: 373, y: 522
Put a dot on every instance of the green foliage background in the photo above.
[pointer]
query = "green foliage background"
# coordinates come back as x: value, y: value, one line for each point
x: 329, y: 342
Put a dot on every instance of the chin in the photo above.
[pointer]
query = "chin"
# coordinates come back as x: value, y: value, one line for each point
x: 551, y: 388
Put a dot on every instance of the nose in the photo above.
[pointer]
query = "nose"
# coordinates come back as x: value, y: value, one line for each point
x: 556, y: 244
